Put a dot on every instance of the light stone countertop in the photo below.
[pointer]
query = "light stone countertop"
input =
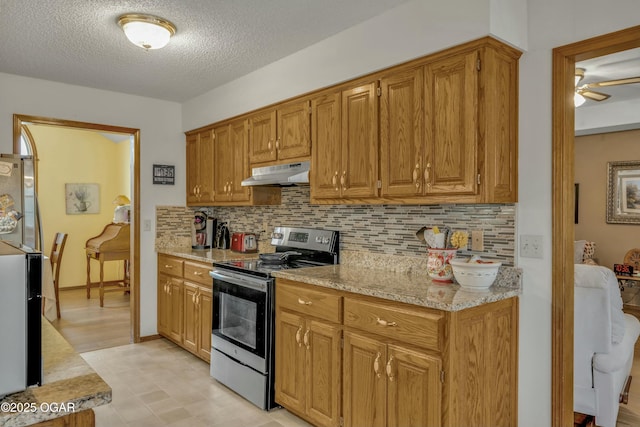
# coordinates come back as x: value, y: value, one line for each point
x: 68, y: 379
x: 402, y: 279
x: 205, y: 255
x: 411, y: 286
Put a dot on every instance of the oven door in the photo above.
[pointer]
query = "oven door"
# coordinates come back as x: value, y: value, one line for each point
x: 241, y: 316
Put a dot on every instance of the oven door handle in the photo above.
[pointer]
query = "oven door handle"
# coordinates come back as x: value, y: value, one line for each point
x: 246, y: 282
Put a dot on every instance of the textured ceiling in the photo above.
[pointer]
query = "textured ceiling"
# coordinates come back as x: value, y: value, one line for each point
x: 79, y: 42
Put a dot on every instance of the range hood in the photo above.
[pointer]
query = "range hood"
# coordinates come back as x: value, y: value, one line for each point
x: 289, y: 174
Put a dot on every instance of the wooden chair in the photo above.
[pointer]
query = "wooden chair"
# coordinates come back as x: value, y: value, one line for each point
x: 632, y: 258
x: 56, y: 261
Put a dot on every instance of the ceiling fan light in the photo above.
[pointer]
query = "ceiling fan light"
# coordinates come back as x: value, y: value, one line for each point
x: 578, y: 99
x: 146, y: 31
x: 579, y: 75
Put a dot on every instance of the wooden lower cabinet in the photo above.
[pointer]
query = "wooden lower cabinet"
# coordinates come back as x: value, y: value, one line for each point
x: 389, y: 385
x: 308, y: 353
x: 185, y: 301
x: 310, y: 367
x: 380, y: 363
x: 170, y: 307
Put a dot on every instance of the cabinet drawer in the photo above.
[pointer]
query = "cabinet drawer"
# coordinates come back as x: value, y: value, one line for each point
x: 198, y: 273
x: 312, y: 302
x: 421, y: 328
x: 170, y: 265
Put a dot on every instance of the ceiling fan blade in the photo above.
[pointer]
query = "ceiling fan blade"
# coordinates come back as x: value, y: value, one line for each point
x: 616, y: 82
x: 594, y: 96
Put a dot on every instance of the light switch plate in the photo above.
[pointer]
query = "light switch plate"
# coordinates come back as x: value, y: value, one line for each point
x: 146, y: 225
x: 531, y: 246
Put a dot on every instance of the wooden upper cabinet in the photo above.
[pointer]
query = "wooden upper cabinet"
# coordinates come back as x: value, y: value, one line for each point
x: 326, y: 159
x: 359, y: 169
x: 402, y: 146
x: 345, y: 148
x: 232, y: 162
x: 224, y: 161
x: 263, y: 137
x: 280, y: 134
x: 451, y: 113
x: 293, y: 141
x: 239, y: 136
x: 200, y: 168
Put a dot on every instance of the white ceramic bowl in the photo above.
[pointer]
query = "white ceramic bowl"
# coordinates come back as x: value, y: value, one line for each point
x: 474, y: 275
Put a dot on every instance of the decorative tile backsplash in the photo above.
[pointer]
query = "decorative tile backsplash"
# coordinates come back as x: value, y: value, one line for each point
x: 388, y: 229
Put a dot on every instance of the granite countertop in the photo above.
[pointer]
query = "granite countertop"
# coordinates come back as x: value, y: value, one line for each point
x: 205, y: 255
x: 410, y: 286
x: 394, y: 278
x: 68, y: 381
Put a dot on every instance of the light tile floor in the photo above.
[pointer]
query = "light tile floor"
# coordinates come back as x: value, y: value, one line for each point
x: 156, y: 383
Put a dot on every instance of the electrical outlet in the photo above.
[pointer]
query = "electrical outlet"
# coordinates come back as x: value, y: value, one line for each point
x: 477, y: 240
x: 146, y: 225
x: 531, y: 246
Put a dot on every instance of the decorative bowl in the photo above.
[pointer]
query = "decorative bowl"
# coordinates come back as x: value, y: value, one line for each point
x: 474, y: 275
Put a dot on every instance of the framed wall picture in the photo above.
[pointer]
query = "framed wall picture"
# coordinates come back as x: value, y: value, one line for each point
x: 82, y: 198
x: 164, y: 174
x: 623, y: 192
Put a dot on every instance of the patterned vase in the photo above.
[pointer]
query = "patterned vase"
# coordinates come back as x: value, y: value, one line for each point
x: 438, y: 266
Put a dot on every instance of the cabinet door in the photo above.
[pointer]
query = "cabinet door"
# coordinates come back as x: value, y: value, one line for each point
x: 290, y: 361
x: 190, y: 319
x: 164, y: 304
x: 414, y: 388
x: 323, y: 371
x: 451, y: 112
x: 205, y: 167
x: 401, y: 128
x: 224, y: 163
x: 293, y: 140
x: 326, y: 136
x: 175, y: 309
x: 192, y: 168
x: 262, y: 137
x: 239, y: 140
x: 364, y: 398
x: 205, y: 306
x: 359, y: 160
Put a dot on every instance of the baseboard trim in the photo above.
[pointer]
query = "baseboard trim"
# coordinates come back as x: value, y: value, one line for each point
x: 150, y: 338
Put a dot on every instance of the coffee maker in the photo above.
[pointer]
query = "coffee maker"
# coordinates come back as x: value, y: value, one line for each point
x: 203, y: 231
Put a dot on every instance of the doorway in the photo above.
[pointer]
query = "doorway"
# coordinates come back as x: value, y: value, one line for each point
x: 19, y: 122
x: 563, y: 86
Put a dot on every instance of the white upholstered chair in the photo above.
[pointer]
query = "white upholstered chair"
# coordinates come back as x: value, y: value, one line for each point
x: 604, y: 339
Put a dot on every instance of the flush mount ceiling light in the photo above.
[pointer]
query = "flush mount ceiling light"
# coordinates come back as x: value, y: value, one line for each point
x: 146, y: 31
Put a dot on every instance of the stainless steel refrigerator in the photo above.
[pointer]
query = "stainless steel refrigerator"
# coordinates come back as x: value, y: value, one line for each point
x: 20, y: 318
x: 19, y: 217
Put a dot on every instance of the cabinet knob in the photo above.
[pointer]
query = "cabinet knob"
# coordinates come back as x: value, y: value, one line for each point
x: 298, y: 332
x: 303, y: 302
x: 270, y: 145
x: 389, y: 369
x: 197, y: 273
x: 278, y: 144
x: 343, y: 180
x: 383, y: 322
x: 376, y: 365
x: 306, y: 339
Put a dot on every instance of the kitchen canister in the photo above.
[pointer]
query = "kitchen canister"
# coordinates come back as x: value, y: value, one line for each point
x: 438, y: 266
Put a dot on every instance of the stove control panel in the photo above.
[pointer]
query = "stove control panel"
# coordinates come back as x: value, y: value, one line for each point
x: 305, y: 238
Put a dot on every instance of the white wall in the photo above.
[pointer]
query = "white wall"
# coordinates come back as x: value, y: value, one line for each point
x: 409, y: 31
x: 161, y: 141
x: 552, y: 23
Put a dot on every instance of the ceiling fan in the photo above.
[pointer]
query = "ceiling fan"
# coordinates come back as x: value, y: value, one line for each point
x: 585, y: 91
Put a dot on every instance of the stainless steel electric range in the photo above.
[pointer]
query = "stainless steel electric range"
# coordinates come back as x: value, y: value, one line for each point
x: 242, y: 340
